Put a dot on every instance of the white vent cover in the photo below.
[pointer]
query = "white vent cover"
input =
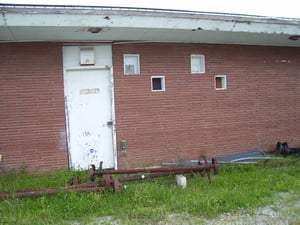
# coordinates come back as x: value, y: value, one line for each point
x: 87, y: 56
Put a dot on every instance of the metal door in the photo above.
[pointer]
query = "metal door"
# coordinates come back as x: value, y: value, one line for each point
x: 89, y: 117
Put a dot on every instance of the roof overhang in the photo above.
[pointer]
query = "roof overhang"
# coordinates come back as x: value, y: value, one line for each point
x: 20, y: 23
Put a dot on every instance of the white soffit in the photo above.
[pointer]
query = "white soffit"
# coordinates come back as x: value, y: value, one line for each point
x: 41, y: 23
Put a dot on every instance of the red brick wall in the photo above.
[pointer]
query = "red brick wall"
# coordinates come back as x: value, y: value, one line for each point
x: 260, y: 106
x: 32, y: 118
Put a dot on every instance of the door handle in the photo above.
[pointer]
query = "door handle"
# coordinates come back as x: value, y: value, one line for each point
x: 110, y: 123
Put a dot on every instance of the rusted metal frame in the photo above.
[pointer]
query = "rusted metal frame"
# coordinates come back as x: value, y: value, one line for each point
x: 84, y: 187
x: 104, y: 184
x: 154, y: 170
x: 100, y: 172
x: 33, y: 193
x: 152, y: 175
x: 115, y: 183
x: 29, y: 193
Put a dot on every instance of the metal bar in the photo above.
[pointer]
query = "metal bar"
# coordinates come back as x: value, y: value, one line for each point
x: 108, y: 182
x: 151, y: 175
x: 29, y: 193
x: 155, y: 170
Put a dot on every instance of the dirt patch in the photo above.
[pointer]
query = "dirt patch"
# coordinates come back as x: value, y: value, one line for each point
x: 285, y: 210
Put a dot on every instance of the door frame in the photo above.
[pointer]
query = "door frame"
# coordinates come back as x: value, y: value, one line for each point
x: 111, y: 83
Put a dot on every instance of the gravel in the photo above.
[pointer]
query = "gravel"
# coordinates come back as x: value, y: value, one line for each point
x: 285, y: 211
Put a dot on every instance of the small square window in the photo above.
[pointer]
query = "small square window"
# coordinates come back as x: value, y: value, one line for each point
x: 131, y: 64
x: 197, y: 64
x: 158, y: 83
x: 220, y: 82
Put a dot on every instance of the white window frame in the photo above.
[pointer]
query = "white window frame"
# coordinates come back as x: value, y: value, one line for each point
x: 163, y: 83
x: 197, y: 64
x: 223, y: 80
x: 136, y: 63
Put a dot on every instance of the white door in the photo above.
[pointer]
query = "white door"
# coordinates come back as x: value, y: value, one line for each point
x: 89, y: 117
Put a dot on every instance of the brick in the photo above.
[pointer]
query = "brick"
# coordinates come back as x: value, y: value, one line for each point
x: 190, y: 119
x: 32, y: 106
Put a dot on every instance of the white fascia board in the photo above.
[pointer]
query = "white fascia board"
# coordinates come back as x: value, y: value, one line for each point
x: 6, y: 34
x: 153, y: 22
x: 2, y: 21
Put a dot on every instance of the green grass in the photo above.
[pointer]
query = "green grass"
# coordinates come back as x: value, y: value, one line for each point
x: 236, y: 188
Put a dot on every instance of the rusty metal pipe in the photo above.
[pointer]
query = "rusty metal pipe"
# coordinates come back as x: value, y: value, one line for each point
x: 155, y: 170
x: 152, y: 175
x: 30, y: 193
x: 38, y: 192
x: 110, y: 182
x: 147, y: 176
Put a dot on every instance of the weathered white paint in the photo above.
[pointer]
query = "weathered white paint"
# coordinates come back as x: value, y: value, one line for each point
x: 103, y: 56
x: 152, y: 20
x: 113, y: 118
x: 38, y: 24
x: 88, y: 91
